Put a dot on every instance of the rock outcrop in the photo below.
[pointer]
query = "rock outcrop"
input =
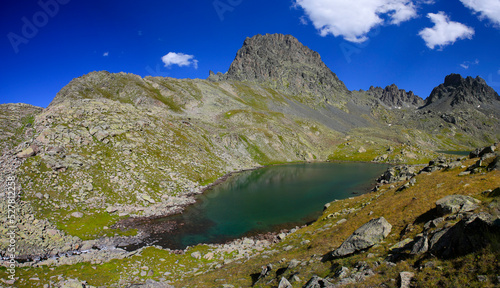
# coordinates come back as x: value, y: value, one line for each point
x: 480, y: 152
x: 398, y: 173
x: 456, y: 204
x: 467, y: 236
x: 284, y: 283
x: 446, y: 238
x: 405, y: 279
x: 364, y: 237
x: 317, y: 282
x: 394, y: 97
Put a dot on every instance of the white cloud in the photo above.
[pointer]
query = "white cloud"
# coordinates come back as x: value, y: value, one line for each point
x: 489, y: 9
x: 179, y: 59
x: 105, y: 54
x: 303, y: 20
x: 444, y: 32
x: 467, y: 64
x: 354, y: 19
x: 498, y: 71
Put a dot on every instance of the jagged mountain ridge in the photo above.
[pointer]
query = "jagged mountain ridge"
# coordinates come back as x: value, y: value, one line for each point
x: 457, y: 92
x: 394, y: 97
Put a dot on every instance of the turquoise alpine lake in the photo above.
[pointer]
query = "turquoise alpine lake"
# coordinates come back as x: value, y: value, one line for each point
x: 264, y: 200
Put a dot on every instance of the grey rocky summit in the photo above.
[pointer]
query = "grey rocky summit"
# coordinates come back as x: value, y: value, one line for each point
x: 457, y: 91
x: 285, y: 62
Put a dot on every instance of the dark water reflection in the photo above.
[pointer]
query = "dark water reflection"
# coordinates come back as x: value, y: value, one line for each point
x: 266, y: 199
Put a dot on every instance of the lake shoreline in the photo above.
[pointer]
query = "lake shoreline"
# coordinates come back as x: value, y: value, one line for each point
x: 147, y: 223
x: 142, y: 224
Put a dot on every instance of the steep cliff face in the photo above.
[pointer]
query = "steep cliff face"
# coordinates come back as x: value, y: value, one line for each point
x: 457, y: 93
x: 393, y: 97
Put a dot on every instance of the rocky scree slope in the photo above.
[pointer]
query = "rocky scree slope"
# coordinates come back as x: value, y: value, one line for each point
x: 16, y: 122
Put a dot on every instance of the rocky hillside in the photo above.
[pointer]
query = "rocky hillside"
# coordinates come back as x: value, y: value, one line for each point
x: 16, y: 122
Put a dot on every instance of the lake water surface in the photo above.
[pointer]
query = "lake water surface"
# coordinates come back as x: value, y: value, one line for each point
x: 266, y: 200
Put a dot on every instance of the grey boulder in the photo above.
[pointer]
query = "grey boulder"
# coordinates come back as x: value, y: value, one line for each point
x: 284, y: 283
x: 366, y: 236
x: 456, y: 204
x: 317, y: 282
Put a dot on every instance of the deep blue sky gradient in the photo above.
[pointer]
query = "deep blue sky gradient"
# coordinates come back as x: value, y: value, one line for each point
x: 136, y: 34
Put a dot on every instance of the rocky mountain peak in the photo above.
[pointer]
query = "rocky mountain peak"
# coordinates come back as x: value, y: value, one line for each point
x: 453, y: 80
x: 457, y: 91
x: 284, y: 61
x: 392, y: 96
x: 456, y: 80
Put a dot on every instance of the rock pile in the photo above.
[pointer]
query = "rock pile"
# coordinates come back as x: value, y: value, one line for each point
x: 398, y: 173
x: 442, y: 163
x: 445, y: 237
x: 489, y: 158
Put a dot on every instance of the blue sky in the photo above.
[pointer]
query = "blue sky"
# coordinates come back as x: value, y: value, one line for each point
x: 414, y: 44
